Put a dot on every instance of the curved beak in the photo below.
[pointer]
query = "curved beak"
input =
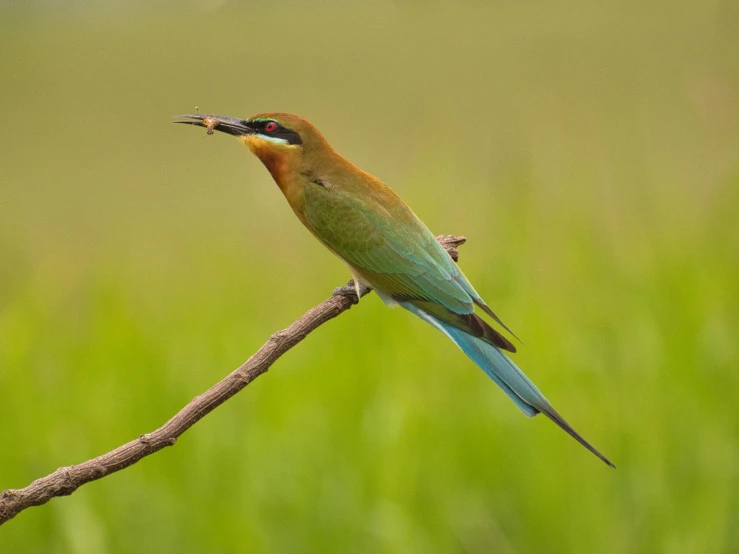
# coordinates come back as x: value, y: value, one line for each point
x: 230, y: 125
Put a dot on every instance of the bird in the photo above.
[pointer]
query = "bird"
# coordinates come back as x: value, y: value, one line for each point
x: 383, y: 243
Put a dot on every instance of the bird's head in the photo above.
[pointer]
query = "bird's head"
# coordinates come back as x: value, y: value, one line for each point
x: 282, y: 141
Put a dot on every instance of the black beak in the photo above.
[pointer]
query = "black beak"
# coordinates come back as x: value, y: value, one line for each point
x: 230, y: 125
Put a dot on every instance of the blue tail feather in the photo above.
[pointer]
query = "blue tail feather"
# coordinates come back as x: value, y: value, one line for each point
x: 506, y: 375
x: 494, y: 363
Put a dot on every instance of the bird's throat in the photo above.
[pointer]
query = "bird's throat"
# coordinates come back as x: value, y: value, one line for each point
x: 279, y: 162
x: 274, y: 160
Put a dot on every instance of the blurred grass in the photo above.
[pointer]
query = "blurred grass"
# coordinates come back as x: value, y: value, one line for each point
x: 589, y: 153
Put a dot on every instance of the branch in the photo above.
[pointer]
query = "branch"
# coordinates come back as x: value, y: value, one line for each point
x: 65, y: 480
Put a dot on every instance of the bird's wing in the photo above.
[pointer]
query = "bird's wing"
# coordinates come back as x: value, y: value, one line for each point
x: 398, y: 255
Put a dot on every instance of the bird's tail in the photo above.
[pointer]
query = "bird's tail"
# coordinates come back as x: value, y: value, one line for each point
x: 506, y: 375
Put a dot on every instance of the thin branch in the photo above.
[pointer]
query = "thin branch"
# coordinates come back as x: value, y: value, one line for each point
x: 65, y: 480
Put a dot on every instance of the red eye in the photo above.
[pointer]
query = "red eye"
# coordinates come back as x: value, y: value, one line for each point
x: 270, y: 126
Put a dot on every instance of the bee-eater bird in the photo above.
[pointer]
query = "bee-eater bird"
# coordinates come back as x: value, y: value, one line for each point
x: 383, y: 243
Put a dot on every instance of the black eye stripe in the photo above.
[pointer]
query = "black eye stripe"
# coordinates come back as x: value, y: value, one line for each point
x: 259, y: 125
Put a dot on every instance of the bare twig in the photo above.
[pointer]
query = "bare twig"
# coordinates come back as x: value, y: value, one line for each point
x: 65, y: 480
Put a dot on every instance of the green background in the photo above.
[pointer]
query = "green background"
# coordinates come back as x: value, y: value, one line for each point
x: 588, y: 150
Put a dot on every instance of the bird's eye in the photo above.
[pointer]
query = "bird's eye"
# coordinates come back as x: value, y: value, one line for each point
x: 270, y: 126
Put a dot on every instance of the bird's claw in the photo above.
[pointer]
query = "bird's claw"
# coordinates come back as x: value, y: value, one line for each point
x: 347, y: 290
x: 353, y: 290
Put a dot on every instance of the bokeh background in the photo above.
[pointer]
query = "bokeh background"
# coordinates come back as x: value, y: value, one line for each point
x: 588, y: 150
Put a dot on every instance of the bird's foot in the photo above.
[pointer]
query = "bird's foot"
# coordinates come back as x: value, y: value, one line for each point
x: 352, y: 289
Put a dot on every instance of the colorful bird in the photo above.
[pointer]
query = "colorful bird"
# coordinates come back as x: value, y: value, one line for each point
x: 383, y: 243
